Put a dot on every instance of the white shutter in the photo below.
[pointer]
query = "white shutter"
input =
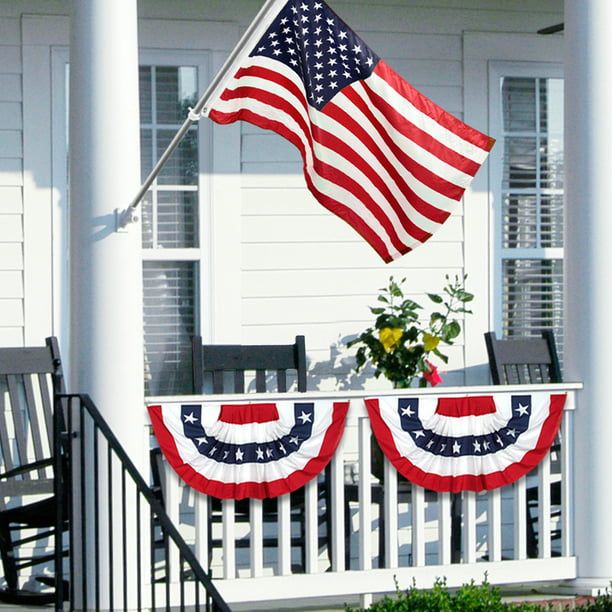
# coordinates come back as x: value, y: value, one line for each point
x: 532, y: 207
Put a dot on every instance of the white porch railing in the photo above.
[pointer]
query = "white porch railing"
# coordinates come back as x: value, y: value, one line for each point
x: 380, y: 533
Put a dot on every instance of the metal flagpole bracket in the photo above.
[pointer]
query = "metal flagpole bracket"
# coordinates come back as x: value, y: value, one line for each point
x: 196, y: 115
x: 126, y: 217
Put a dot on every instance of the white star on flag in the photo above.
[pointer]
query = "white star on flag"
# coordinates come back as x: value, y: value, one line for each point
x: 239, y: 455
x: 456, y: 448
x: 305, y: 417
x: 522, y: 410
x: 189, y: 418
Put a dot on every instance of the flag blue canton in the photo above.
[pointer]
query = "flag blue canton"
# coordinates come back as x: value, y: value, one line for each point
x: 248, y: 452
x: 460, y: 446
x: 319, y: 47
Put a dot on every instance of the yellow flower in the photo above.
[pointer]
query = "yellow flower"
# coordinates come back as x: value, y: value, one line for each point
x: 390, y: 337
x: 430, y: 342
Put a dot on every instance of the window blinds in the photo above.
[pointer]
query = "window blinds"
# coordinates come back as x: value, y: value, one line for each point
x: 170, y: 229
x: 532, y: 207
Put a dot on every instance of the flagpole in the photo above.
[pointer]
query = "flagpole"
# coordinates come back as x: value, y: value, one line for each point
x: 127, y: 216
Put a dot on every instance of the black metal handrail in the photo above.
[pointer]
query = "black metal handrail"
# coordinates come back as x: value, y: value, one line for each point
x: 86, y: 449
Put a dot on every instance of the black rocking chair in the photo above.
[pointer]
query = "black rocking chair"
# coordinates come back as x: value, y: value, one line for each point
x: 528, y: 361
x: 29, y: 379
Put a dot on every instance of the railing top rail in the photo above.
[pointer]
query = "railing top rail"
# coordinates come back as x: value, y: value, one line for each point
x: 364, y: 393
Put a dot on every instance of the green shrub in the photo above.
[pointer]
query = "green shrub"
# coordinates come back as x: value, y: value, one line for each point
x: 471, y: 598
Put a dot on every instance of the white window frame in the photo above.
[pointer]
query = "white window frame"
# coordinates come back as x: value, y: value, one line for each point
x: 480, y: 51
x: 202, y: 254
x: 497, y: 71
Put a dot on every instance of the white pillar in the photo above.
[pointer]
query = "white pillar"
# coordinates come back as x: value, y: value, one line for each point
x: 106, y: 276
x: 588, y: 267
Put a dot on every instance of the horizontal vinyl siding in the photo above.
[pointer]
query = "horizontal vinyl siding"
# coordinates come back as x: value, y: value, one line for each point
x: 11, y: 180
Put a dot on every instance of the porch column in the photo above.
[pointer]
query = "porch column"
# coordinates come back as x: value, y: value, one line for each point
x: 106, y: 275
x: 106, y: 279
x: 588, y: 268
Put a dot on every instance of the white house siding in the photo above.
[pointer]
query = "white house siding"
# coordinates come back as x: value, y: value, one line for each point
x: 11, y: 181
x: 298, y: 268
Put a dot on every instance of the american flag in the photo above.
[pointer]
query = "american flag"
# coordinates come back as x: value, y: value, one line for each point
x: 376, y: 152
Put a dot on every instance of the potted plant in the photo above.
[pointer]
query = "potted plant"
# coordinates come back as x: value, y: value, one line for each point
x: 400, y: 345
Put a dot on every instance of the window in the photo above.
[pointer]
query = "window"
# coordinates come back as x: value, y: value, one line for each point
x: 170, y: 228
x: 529, y: 216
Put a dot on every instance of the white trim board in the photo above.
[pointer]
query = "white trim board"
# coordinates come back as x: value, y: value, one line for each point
x: 45, y: 30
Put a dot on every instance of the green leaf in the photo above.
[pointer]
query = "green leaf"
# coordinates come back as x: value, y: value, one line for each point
x: 434, y: 297
x: 377, y: 311
x: 441, y: 355
x: 451, y: 330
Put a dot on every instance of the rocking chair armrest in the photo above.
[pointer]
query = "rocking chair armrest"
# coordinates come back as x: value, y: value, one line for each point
x: 24, y: 469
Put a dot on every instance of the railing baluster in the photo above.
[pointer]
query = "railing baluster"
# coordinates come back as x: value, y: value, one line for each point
x: 391, y: 497
x: 284, y: 539
x: 71, y: 449
x: 365, y: 496
x: 124, y: 540
x: 567, y: 510
x: 256, y: 537
x: 494, y: 525
x: 82, y: 472
x: 152, y: 568
x: 544, y: 508
x: 312, y: 527
x: 418, y: 526
x: 111, y: 533
x: 365, y: 502
x: 173, y: 500
x: 97, y: 522
x: 336, y: 488
x: 182, y: 582
x: 469, y: 526
x: 444, y: 528
x: 138, y: 553
x: 203, y: 527
x: 520, y: 515
x: 229, y: 539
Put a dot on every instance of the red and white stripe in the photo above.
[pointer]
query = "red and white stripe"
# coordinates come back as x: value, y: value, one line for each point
x: 467, y: 472
x: 380, y: 155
